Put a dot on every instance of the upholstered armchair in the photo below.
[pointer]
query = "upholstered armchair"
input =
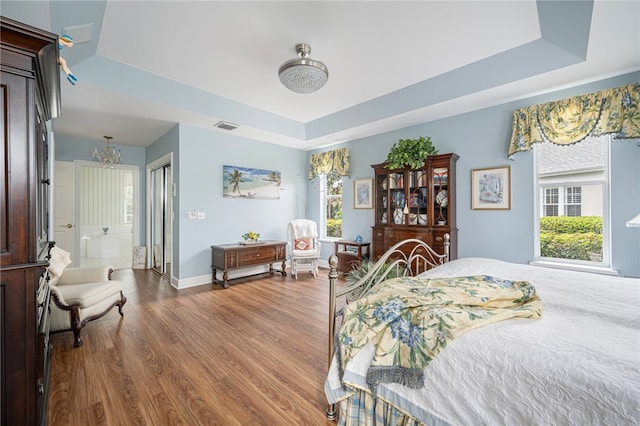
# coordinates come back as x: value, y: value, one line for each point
x: 304, y: 246
x: 80, y: 295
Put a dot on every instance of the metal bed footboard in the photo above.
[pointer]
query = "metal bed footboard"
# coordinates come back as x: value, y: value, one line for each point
x: 406, y: 258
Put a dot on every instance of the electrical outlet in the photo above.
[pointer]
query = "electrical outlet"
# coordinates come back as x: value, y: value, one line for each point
x: 192, y: 214
x: 200, y: 215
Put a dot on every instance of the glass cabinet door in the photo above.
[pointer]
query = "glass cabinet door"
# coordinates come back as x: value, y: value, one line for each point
x: 418, y: 196
x: 440, y: 182
x: 397, y: 198
x: 382, y: 198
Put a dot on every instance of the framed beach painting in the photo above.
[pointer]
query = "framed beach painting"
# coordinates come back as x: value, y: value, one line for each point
x: 362, y: 194
x: 245, y: 182
x: 491, y: 188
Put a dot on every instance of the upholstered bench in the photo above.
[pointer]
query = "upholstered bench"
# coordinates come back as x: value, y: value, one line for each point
x: 80, y: 295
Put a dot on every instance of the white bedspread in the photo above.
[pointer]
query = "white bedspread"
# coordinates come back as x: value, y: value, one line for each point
x: 577, y: 365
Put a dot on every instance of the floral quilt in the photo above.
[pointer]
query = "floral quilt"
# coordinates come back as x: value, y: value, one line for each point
x: 410, y: 320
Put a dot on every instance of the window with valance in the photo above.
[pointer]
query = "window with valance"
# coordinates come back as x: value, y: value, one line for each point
x: 614, y: 111
x: 329, y: 162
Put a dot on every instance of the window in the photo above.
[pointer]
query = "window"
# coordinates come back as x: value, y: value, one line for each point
x: 550, y: 203
x: 571, y: 204
x: 573, y: 201
x: 332, y: 201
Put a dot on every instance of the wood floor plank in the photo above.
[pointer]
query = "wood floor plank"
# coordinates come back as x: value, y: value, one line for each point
x: 252, y: 354
x: 159, y: 410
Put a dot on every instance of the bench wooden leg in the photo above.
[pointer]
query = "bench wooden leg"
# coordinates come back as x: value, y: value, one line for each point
x: 76, y: 326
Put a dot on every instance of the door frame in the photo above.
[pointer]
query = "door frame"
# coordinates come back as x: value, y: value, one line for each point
x: 68, y: 201
x: 162, y: 161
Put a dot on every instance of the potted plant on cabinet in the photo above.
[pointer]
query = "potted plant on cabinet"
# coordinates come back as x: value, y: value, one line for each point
x: 410, y: 152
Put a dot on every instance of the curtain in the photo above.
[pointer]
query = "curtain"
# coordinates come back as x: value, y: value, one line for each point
x: 336, y: 161
x: 568, y: 121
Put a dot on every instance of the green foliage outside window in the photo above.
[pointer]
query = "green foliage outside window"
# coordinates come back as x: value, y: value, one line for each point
x: 334, y: 228
x: 571, y: 225
x: 578, y: 238
x: 334, y: 206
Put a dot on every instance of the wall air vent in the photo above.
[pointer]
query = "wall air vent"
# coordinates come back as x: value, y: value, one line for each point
x: 225, y: 125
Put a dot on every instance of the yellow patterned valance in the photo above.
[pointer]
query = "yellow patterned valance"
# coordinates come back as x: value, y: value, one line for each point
x: 613, y: 111
x: 336, y: 161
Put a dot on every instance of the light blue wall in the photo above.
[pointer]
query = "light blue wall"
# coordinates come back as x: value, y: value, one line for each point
x: 481, y: 139
x: 202, y: 154
x: 625, y: 193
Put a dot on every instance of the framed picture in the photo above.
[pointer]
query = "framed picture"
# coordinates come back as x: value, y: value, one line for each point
x: 247, y: 183
x: 491, y: 188
x: 363, y: 193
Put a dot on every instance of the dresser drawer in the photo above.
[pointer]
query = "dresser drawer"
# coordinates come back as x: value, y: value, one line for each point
x: 257, y: 255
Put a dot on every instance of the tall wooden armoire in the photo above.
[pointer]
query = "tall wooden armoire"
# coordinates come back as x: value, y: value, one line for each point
x: 30, y: 96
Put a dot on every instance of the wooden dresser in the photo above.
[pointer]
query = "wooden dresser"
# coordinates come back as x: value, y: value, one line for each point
x: 228, y: 257
x: 30, y: 90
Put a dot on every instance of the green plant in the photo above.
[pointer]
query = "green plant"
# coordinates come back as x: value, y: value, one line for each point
x: 565, y: 237
x: 334, y: 227
x: 583, y: 246
x: 251, y: 235
x: 571, y: 224
x: 357, y: 274
x: 410, y: 152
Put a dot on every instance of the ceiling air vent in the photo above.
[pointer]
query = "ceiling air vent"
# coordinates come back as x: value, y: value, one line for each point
x: 225, y: 125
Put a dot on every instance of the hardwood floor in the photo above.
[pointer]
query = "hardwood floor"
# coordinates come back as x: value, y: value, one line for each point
x: 253, y: 354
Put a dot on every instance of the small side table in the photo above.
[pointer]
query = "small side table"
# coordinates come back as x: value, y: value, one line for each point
x: 348, y: 259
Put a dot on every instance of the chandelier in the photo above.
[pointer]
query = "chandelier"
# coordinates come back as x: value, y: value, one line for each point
x: 303, y: 74
x: 108, y: 156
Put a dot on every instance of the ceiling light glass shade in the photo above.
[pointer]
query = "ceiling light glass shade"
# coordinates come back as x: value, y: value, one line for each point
x: 303, y: 74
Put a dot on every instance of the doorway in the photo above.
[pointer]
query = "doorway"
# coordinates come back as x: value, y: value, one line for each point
x: 161, y: 215
x: 95, y: 216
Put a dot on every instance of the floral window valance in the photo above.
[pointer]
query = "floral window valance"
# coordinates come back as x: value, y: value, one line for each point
x: 336, y: 161
x: 613, y: 111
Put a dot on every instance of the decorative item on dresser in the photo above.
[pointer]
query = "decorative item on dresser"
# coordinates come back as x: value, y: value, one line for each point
x: 30, y: 97
x: 416, y: 203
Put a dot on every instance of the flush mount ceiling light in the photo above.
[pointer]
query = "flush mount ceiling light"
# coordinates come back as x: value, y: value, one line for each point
x: 303, y: 74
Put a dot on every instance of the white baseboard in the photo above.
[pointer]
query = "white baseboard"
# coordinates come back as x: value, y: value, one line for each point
x: 237, y: 273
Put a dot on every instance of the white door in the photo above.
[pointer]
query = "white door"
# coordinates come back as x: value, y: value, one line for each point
x: 64, y: 222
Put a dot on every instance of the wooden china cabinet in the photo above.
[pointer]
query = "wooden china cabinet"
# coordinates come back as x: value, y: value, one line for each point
x: 416, y: 203
x: 30, y: 96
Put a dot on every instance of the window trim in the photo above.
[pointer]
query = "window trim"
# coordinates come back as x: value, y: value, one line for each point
x: 605, y: 266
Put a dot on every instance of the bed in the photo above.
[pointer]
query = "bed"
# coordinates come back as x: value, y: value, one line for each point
x: 579, y: 363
